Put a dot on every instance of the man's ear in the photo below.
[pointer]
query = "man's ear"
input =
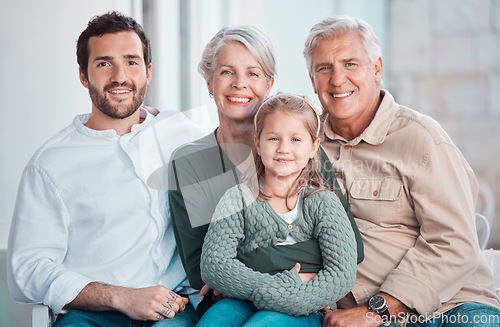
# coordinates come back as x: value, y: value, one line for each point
x: 149, y: 73
x: 312, y: 81
x: 84, y: 80
x: 379, y: 68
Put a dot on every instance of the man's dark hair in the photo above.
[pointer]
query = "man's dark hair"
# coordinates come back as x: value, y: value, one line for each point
x: 109, y: 23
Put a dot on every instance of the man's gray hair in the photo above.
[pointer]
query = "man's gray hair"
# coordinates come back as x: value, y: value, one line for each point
x: 252, y: 38
x: 336, y: 26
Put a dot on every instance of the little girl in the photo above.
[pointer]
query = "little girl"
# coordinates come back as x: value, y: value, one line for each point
x: 284, y: 203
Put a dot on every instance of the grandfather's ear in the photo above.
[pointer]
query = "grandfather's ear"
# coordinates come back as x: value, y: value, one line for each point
x: 313, y: 84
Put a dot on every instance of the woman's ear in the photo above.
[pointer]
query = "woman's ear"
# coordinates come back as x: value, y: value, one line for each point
x: 210, y: 90
x: 269, y: 85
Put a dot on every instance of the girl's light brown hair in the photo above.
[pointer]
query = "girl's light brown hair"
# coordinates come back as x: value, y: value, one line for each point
x: 305, y: 110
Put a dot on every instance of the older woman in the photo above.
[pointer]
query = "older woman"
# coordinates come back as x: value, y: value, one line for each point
x: 238, y: 66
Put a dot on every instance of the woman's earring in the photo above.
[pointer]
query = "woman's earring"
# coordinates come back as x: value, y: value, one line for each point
x: 211, y: 94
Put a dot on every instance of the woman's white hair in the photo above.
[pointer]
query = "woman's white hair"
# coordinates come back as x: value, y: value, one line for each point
x: 252, y: 38
x: 336, y: 26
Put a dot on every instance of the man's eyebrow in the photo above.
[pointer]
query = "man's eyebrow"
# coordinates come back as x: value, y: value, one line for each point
x: 127, y: 56
x: 323, y: 64
x: 102, y: 58
x: 132, y: 56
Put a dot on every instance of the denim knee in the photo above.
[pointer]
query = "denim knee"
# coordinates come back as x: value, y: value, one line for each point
x: 277, y: 319
x: 227, y: 313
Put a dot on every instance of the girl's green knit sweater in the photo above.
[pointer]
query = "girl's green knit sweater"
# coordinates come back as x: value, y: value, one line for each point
x: 241, y: 223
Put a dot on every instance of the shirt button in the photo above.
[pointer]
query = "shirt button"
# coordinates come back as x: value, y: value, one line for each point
x: 375, y: 193
x: 290, y: 227
x: 339, y: 175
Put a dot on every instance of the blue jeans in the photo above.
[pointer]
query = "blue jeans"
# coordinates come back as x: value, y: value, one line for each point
x: 82, y: 318
x: 465, y: 315
x: 234, y: 313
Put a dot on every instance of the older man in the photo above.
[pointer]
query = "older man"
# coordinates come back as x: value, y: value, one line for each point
x: 411, y: 192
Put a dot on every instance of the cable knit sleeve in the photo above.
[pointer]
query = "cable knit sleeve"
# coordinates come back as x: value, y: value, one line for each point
x: 219, y: 267
x: 283, y: 292
x: 338, y: 249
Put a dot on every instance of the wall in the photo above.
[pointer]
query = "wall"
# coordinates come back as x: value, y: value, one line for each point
x: 444, y: 61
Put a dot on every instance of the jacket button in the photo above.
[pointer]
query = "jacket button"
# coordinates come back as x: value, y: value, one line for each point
x: 290, y: 227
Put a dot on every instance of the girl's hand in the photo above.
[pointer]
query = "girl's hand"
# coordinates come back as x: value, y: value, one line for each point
x: 305, y: 277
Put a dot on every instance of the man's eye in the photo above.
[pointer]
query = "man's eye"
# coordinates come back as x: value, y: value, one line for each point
x: 350, y: 64
x: 324, y: 69
x: 132, y: 63
x: 103, y: 64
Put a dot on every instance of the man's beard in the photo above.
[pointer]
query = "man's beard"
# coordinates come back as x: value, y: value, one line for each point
x: 102, y: 103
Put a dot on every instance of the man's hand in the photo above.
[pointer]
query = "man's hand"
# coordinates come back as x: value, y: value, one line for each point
x: 150, y: 303
x: 355, y: 317
x: 362, y: 316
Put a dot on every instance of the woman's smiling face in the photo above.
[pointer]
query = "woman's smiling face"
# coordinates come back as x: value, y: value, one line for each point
x: 239, y: 84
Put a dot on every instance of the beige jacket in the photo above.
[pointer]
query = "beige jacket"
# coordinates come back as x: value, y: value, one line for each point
x: 413, y: 197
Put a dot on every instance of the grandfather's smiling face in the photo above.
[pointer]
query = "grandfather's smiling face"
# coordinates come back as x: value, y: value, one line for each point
x: 346, y: 80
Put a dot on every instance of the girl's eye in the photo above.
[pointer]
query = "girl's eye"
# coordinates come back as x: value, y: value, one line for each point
x: 273, y: 139
x: 295, y: 139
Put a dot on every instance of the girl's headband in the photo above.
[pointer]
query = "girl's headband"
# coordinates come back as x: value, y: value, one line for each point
x: 310, y: 102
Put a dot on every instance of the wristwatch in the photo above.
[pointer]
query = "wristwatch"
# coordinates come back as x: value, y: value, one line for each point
x: 378, y: 304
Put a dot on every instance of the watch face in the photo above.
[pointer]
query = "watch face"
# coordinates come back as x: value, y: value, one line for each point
x: 377, y: 302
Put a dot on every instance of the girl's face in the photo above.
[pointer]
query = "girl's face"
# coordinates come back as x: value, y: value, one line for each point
x: 285, y: 145
x: 239, y: 84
